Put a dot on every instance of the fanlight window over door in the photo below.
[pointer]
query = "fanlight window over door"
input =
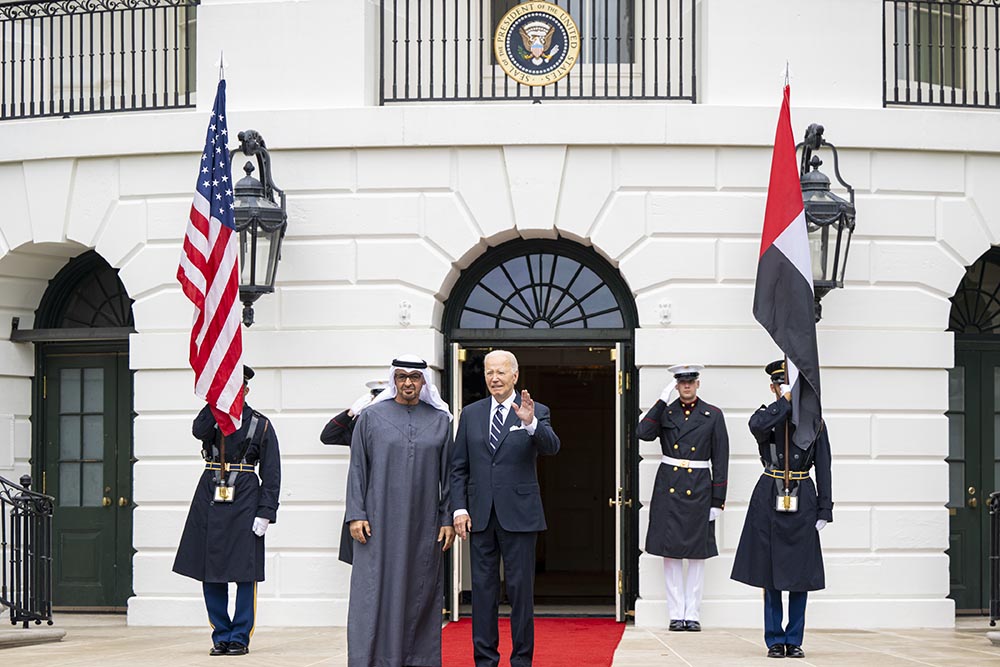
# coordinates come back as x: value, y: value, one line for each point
x: 975, y: 307
x: 541, y: 290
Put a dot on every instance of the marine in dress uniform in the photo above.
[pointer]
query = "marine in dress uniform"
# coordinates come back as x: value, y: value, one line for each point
x: 338, y: 431
x: 779, y: 549
x: 223, y: 540
x: 689, y: 492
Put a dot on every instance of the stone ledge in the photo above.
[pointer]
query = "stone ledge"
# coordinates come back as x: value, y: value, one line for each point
x: 18, y: 636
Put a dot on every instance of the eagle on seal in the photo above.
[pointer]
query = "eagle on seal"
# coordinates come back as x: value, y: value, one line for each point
x: 537, y: 39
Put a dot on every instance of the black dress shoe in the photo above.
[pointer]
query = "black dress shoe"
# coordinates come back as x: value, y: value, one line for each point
x: 237, y: 649
x: 219, y: 648
x: 692, y: 626
x: 677, y: 626
x: 793, y: 651
x: 776, y: 651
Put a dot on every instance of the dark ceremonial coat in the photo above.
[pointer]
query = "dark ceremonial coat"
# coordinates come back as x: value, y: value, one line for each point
x: 683, y: 497
x: 398, y: 482
x: 218, y: 543
x: 338, y: 431
x: 781, y: 550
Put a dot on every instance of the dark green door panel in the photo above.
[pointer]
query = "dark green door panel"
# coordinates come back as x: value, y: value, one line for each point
x: 87, y: 453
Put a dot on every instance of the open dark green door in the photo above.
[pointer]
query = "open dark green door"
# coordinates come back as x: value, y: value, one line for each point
x: 87, y: 398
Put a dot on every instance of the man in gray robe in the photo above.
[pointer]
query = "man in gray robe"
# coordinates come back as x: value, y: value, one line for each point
x: 399, y: 514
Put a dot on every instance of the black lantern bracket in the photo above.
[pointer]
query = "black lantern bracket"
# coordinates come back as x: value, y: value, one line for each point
x: 261, y: 213
x: 825, y: 212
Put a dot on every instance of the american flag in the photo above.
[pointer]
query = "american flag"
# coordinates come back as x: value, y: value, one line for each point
x: 209, y: 275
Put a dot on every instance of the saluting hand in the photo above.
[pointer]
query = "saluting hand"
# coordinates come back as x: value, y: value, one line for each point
x: 446, y: 535
x: 360, y: 530
x: 525, y: 411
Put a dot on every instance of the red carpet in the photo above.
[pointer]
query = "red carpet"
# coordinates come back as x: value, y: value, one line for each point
x: 559, y: 642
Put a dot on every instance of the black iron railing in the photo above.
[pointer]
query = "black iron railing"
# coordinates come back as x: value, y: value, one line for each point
x: 25, y: 552
x: 941, y: 53
x: 66, y: 57
x: 442, y: 50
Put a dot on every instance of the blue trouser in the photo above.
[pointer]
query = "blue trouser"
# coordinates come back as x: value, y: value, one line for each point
x: 488, y: 546
x: 792, y: 633
x: 239, y: 628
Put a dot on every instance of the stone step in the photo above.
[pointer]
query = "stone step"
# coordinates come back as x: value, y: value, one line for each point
x: 11, y: 636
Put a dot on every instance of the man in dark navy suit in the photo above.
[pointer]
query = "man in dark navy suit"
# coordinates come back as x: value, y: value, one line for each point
x: 496, y: 498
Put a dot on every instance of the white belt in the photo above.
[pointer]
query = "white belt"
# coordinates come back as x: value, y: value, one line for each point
x: 685, y: 463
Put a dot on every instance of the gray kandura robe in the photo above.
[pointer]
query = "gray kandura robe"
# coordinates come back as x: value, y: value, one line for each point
x: 398, y: 482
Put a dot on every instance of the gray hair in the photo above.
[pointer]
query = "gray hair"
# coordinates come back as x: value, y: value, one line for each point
x: 509, y: 356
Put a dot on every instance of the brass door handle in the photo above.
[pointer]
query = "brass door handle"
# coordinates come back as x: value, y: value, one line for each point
x: 973, y: 502
x: 106, y: 502
x: 627, y: 503
x: 612, y: 502
x: 123, y: 502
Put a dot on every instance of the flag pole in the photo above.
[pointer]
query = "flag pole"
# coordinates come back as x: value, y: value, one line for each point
x: 222, y: 67
x: 788, y: 467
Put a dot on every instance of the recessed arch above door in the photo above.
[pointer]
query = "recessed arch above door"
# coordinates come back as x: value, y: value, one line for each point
x: 570, y: 318
x: 973, y: 429
x: 82, y: 426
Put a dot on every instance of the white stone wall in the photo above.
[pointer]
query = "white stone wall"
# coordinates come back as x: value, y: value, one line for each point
x: 388, y: 205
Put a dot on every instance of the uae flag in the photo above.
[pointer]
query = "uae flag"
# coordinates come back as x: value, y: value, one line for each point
x: 783, y: 294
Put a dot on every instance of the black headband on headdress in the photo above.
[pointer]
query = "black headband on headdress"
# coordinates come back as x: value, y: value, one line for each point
x: 409, y: 364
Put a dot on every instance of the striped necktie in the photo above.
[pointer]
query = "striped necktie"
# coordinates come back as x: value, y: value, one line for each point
x: 496, y: 428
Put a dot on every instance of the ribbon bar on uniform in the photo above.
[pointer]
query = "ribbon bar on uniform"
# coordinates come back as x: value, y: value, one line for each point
x: 685, y: 463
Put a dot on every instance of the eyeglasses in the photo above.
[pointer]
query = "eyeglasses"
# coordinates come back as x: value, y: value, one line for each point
x: 412, y: 377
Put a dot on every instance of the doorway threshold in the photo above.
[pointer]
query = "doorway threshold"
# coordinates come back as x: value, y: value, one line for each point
x: 556, y: 610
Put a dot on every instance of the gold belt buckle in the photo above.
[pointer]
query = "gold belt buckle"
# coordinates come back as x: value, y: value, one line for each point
x: 685, y: 463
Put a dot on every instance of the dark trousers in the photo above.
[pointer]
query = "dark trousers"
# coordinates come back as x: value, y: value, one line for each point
x: 518, y: 553
x: 792, y: 633
x: 239, y: 628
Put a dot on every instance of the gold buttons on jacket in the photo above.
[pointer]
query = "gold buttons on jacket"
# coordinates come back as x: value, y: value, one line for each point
x: 690, y: 470
x: 693, y: 448
x: 688, y: 492
x: 675, y: 446
x: 675, y: 468
x: 671, y: 489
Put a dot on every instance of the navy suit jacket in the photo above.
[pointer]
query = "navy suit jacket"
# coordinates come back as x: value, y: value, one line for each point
x: 505, y: 481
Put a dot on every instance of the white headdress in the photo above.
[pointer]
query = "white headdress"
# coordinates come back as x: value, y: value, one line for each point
x: 429, y: 394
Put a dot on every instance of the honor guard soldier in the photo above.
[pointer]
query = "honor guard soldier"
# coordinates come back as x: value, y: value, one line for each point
x: 779, y: 549
x: 338, y: 431
x: 235, y: 501
x: 689, y: 492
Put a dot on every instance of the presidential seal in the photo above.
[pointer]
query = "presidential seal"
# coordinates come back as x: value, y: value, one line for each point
x: 536, y: 43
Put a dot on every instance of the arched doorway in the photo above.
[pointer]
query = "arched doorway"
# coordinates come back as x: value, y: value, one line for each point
x: 973, y: 430
x: 570, y: 318
x: 82, y: 431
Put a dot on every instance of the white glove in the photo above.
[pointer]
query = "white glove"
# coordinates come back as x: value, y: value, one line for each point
x: 669, y: 389
x: 714, y: 513
x: 820, y: 524
x: 362, y: 401
x: 260, y: 526
x: 785, y: 389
